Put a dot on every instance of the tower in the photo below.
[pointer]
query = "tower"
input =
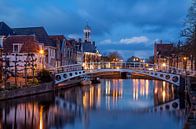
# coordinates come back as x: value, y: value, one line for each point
x: 87, y: 32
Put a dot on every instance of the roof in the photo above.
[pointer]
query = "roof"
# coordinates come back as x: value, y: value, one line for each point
x: 39, y: 32
x: 57, y: 39
x: 165, y: 49
x: 29, y: 44
x: 68, y: 44
x: 89, y: 47
x: 5, y: 29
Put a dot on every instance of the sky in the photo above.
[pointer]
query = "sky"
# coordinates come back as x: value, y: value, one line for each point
x: 130, y: 27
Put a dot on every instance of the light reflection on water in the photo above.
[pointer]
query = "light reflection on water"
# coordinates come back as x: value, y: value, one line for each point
x: 114, y: 104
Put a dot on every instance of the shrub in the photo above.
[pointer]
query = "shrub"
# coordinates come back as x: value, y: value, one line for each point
x: 36, y: 82
x: 44, y: 76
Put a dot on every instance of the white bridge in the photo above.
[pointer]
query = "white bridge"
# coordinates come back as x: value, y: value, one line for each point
x: 162, y: 72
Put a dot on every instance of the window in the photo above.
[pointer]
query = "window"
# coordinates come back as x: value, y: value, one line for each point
x: 17, y: 47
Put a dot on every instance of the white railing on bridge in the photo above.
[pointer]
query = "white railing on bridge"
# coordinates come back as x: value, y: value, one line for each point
x: 138, y: 66
x: 67, y: 68
x: 124, y: 65
x: 163, y: 72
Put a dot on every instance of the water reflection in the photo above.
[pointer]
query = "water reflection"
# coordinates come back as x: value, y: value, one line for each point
x: 140, y: 88
x: 163, y: 92
x: 116, y: 103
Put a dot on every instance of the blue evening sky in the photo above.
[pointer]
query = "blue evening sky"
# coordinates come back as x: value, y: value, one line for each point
x: 128, y: 26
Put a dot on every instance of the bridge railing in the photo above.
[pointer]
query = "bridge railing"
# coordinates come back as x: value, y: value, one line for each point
x: 92, y: 66
x: 137, y: 66
x: 67, y: 68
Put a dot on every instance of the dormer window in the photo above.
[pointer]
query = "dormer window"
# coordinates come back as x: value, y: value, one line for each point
x: 17, y: 47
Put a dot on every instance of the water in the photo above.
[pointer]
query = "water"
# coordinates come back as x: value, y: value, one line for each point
x: 113, y: 104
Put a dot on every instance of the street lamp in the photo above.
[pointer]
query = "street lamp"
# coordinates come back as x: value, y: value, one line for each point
x: 185, y: 62
x: 164, y: 64
x: 185, y: 58
x: 147, y: 65
x: 41, y: 52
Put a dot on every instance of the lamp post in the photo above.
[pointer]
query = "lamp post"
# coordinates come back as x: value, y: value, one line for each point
x: 41, y: 52
x: 185, y: 62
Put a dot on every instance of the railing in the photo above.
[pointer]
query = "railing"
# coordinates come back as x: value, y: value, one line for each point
x: 124, y: 65
x: 137, y: 66
x: 66, y: 68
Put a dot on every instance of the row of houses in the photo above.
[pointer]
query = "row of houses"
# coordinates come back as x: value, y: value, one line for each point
x: 168, y: 54
x: 49, y: 51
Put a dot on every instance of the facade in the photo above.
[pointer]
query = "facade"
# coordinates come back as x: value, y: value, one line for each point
x: 71, y: 52
x: 23, y: 49
x: 80, y: 54
x: 42, y: 37
x: 161, y: 52
x: 59, y: 42
x: 91, y: 54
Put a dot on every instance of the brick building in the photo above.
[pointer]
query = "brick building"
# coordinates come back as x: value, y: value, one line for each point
x: 18, y: 47
x: 71, y: 52
x: 169, y: 55
x: 59, y: 41
x: 42, y: 37
x: 162, y: 51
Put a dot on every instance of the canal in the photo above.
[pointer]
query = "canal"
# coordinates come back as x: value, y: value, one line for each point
x: 112, y: 104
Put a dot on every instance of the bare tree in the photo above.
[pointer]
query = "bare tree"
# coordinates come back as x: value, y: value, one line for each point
x: 189, y: 32
x: 114, y: 56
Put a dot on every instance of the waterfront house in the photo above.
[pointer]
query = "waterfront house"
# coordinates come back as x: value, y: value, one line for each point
x: 71, y: 52
x: 42, y: 37
x: 23, y: 49
x: 59, y: 42
x: 80, y: 54
x: 167, y: 54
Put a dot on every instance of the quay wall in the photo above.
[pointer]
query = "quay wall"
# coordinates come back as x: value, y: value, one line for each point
x: 33, y: 90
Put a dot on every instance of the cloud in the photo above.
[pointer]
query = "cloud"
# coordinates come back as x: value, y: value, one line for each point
x: 73, y: 36
x: 140, y: 39
x: 115, y: 28
x: 106, y: 41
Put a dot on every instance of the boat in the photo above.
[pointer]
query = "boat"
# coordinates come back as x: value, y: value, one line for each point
x: 86, y: 81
